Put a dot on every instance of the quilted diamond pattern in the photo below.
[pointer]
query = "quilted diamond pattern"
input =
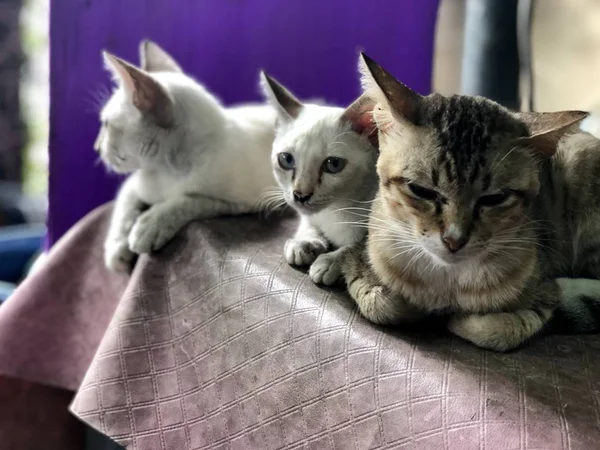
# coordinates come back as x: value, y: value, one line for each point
x: 218, y: 343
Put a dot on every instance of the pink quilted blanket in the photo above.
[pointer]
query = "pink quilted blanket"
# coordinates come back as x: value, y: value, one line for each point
x: 216, y: 343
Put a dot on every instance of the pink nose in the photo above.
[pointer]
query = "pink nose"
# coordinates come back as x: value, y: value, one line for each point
x: 454, y: 244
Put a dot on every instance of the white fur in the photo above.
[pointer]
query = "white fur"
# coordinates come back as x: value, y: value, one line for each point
x: 213, y: 161
x: 335, y: 216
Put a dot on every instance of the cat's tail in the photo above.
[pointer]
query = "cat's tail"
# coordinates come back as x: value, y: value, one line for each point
x: 579, y: 311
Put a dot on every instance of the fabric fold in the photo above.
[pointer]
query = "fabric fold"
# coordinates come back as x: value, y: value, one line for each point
x: 218, y: 343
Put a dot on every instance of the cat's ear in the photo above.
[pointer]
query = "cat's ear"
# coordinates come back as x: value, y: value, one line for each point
x: 154, y: 59
x: 547, y: 129
x: 386, y: 91
x: 539, y: 122
x: 360, y: 116
x: 288, y: 106
x: 146, y: 94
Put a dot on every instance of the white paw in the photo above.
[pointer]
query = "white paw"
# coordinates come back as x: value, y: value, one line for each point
x: 303, y: 253
x: 326, y: 270
x: 149, y: 232
x: 117, y: 256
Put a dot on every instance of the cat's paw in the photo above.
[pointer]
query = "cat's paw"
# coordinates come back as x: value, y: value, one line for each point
x: 117, y: 256
x: 326, y: 269
x: 303, y: 253
x: 149, y: 233
x: 487, y: 331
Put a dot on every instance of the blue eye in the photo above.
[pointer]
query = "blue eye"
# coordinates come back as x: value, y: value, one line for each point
x: 286, y: 161
x: 333, y: 164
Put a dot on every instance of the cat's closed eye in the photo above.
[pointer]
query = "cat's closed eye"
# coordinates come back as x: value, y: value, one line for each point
x: 333, y: 164
x: 493, y: 199
x: 424, y: 193
x: 286, y: 161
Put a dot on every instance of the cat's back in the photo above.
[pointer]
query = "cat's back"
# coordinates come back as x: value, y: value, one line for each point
x: 578, y: 156
x: 574, y: 172
x: 568, y: 207
x: 256, y: 119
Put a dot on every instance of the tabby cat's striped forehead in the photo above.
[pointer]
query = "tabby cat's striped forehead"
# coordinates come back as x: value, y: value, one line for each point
x: 465, y: 127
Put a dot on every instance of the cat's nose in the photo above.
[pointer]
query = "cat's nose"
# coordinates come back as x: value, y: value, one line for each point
x: 454, y: 244
x: 301, y: 197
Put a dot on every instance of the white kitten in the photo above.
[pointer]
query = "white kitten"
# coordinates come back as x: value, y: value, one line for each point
x: 324, y: 161
x: 188, y: 156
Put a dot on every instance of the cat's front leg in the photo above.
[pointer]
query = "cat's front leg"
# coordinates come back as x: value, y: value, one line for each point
x: 500, y: 331
x: 306, y: 245
x: 375, y: 301
x: 327, y: 268
x: 503, y: 331
x: 157, y: 226
x: 128, y: 207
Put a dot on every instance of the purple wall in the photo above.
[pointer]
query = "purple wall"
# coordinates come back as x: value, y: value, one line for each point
x: 309, y: 45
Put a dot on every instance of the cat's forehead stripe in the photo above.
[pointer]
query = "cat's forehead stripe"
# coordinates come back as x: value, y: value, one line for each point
x: 465, y: 126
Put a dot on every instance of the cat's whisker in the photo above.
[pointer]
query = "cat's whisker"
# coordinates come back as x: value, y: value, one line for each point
x: 398, y: 254
x: 391, y: 229
x: 343, y: 133
x: 402, y: 246
x: 392, y: 223
x: 345, y: 199
x: 94, y: 100
x: 415, y: 258
x: 528, y: 243
x: 385, y: 240
x: 271, y: 200
x: 496, y: 164
x: 355, y: 210
x: 331, y: 144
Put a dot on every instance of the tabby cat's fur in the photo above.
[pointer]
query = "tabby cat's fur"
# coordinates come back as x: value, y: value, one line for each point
x: 481, y: 214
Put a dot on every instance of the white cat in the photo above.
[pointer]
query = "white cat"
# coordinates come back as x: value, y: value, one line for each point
x: 189, y: 157
x: 324, y: 161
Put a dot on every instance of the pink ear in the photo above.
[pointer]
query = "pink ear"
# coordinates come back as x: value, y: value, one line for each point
x: 154, y: 59
x: 120, y: 74
x: 146, y: 94
x: 384, y: 88
x: 288, y: 106
x: 360, y: 116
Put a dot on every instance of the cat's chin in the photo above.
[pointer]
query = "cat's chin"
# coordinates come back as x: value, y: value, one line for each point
x: 117, y: 166
x: 308, y: 210
x: 119, y: 170
x: 453, y: 259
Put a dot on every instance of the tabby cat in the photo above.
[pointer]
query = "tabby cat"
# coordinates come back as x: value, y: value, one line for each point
x: 488, y: 216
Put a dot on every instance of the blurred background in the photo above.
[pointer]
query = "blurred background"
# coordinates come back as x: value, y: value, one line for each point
x: 565, y: 39
x: 565, y: 49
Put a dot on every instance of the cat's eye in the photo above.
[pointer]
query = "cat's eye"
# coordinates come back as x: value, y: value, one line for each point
x: 333, y: 164
x: 494, y: 199
x: 286, y: 161
x: 424, y: 193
